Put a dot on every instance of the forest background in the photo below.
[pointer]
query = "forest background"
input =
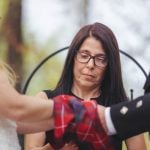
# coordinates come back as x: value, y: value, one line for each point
x: 30, y: 30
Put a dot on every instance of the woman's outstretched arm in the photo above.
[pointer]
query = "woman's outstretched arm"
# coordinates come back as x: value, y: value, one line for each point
x: 18, y: 107
x: 34, y: 127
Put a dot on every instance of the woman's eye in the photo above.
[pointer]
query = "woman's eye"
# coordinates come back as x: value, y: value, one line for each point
x: 101, y: 59
x: 84, y: 56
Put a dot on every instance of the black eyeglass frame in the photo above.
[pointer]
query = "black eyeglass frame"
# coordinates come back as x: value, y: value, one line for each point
x: 78, y: 54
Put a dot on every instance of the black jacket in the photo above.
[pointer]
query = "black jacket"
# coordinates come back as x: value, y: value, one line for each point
x: 131, y: 118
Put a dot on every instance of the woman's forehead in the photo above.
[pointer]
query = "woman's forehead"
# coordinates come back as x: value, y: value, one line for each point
x: 92, y: 45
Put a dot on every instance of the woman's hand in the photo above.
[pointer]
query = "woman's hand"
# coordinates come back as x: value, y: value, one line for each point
x: 69, y: 146
x: 45, y: 147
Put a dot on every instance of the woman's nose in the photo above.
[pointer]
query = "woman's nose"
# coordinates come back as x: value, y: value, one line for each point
x: 91, y: 63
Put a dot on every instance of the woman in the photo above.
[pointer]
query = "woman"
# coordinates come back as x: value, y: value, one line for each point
x: 8, y: 134
x: 92, y: 71
x: 80, y: 113
x: 21, y: 110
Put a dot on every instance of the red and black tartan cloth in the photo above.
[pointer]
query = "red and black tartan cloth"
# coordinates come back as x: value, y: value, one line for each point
x: 80, y: 117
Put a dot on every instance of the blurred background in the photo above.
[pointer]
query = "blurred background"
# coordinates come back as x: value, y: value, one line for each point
x: 30, y: 30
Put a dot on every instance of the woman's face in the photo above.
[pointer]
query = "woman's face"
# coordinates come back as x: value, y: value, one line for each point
x: 87, y: 73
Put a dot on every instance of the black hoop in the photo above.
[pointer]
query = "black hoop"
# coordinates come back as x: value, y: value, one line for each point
x: 65, y: 48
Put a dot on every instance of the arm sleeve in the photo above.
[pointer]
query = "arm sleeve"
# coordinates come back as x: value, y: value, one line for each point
x: 131, y: 118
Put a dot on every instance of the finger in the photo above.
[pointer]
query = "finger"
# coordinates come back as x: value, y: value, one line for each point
x: 74, y: 147
x: 47, y: 147
x: 71, y: 145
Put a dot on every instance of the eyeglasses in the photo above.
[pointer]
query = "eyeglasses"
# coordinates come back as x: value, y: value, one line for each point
x: 99, y: 61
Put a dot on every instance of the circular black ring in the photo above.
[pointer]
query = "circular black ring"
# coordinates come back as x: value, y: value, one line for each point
x: 65, y: 48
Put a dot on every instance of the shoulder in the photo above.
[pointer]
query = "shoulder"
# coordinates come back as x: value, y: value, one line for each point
x: 42, y: 95
x: 50, y: 93
x: 53, y: 93
x: 46, y: 94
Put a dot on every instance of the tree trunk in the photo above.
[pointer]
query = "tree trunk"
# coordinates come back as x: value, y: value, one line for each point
x: 13, y: 34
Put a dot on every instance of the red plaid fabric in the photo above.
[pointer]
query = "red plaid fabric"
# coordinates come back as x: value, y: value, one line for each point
x: 79, y: 117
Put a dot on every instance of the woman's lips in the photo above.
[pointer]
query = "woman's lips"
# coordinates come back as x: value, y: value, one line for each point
x: 88, y: 76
